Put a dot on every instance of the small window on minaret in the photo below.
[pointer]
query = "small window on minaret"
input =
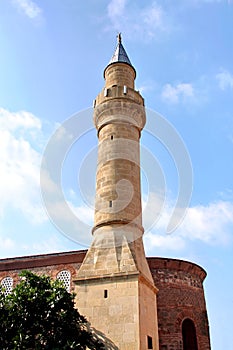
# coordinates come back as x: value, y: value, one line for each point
x: 149, y: 342
x: 105, y: 92
x: 105, y: 293
x: 111, y: 137
x: 125, y: 90
x: 110, y: 204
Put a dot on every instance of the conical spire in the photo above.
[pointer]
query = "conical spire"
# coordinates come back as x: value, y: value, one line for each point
x: 120, y: 54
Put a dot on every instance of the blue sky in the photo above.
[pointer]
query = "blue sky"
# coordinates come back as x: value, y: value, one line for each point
x: 51, y: 67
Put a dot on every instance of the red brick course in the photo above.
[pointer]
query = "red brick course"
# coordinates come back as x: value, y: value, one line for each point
x: 47, y: 264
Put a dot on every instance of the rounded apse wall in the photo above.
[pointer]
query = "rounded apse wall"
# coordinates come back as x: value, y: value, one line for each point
x: 182, y: 315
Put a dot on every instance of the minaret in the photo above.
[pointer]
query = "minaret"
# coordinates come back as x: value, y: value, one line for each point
x: 114, y: 286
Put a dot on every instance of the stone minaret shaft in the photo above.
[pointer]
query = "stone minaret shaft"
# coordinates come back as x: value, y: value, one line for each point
x: 115, y: 262
x: 119, y: 118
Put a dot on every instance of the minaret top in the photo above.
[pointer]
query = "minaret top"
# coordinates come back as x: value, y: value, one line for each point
x: 120, y: 54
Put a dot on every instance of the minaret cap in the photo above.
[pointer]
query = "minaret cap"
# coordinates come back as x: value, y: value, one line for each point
x: 120, y: 55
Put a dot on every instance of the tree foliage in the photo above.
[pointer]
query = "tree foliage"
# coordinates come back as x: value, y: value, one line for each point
x: 40, y: 314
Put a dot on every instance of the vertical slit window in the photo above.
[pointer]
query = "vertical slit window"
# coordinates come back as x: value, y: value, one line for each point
x: 110, y: 204
x: 105, y: 293
x: 105, y: 92
x: 149, y: 342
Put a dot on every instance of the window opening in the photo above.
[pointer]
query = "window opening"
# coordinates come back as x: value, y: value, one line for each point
x: 64, y: 276
x: 7, y: 285
x: 149, y: 342
x: 189, y: 335
x: 110, y: 204
x: 105, y: 293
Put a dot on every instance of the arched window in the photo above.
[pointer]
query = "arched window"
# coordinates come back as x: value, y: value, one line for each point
x: 189, y: 335
x: 7, y: 285
x: 64, y: 276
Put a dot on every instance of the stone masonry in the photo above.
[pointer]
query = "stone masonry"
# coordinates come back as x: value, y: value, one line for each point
x: 114, y: 280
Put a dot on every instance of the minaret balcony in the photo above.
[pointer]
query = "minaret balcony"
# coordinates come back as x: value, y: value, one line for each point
x: 119, y: 92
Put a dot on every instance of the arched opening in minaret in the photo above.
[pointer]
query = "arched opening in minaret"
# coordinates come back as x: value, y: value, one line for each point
x: 189, y: 335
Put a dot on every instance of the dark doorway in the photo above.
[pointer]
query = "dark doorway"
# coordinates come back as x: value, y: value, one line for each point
x: 189, y: 335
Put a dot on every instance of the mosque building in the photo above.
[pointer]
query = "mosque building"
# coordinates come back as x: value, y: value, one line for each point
x: 135, y: 302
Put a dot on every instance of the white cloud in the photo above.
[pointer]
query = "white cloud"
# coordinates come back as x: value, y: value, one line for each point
x: 168, y: 242
x: 153, y: 19
x: 137, y: 22
x: 116, y: 13
x: 83, y: 212
x: 225, y: 79
x: 29, y: 8
x: 22, y: 244
x: 116, y: 8
x: 22, y: 120
x: 20, y: 164
x: 74, y: 221
x: 178, y: 93
x: 19, y: 189
x: 211, y: 224
x: 146, y: 86
x: 145, y: 20
x: 22, y: 141
x: 7, y: 246
x: 52, y: 244
x: 6, y: 243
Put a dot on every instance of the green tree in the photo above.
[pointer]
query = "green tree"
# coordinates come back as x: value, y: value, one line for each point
x: 40, y: 314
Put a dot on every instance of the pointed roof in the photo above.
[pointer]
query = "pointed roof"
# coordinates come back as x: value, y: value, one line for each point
x: 120, y: 54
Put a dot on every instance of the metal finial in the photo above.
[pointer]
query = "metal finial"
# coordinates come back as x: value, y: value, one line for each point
x: 119, y: 38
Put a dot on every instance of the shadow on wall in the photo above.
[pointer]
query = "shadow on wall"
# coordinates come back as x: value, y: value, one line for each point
x: 101, y: 337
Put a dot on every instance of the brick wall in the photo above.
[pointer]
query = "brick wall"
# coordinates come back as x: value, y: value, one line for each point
x: 47, y: 264
x: 180, y: 296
